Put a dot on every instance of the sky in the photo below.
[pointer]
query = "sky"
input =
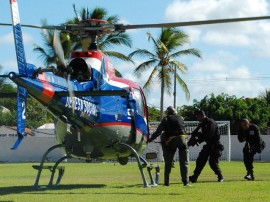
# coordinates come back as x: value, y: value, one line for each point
x: 235, y: 57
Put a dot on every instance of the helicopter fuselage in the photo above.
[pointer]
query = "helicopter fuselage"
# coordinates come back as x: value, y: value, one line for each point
x: 91, y: 126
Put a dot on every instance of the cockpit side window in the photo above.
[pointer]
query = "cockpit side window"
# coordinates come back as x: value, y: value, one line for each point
x: 80, y: 70
x: 139, y: 101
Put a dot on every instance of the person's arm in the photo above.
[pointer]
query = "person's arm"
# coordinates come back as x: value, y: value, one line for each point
x: 240, y: 136
x: 194, y: 136
x: 257, y: 137
x: 160, y: 128
x: 209, y: 131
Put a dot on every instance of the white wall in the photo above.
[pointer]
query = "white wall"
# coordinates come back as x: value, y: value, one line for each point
x: 237, y: 149
x: 33, y: 147
x: 30, y: 150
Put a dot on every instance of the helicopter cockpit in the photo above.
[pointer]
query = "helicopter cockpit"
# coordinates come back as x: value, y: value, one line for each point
x: 80, y: 70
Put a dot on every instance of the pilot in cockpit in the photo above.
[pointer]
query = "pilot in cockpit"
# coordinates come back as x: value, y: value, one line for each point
x: 80, y: 70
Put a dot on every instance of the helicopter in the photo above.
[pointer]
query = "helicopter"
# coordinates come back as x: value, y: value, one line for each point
x: 98, y: 116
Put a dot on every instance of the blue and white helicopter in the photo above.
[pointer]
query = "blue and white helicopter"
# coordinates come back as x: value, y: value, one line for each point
x: 98, y: 115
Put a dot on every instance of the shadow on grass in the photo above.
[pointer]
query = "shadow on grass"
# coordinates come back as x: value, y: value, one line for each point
x: 31, y: 189
x: 50, y: 191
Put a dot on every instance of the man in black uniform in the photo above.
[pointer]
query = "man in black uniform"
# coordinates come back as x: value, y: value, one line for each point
x: 173, y: 138
x: 212, y: 149
x: 254, y: 144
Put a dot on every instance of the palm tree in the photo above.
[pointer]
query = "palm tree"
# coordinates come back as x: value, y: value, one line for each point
x: 163, y: 61
x: 48, y: 53
x: 266, y: 96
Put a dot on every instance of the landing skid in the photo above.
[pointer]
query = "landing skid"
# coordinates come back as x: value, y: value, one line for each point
x: 61, y: 169
x: 142, y: 163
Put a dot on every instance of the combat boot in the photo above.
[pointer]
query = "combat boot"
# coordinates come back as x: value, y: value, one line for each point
x: 166, y: 184
x: 220, y: 178
x: 249, y: 176
x: 186, y: 183
x: 193, y: 178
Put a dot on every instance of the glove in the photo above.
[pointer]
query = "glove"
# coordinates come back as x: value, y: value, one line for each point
x: 192, y: 141
x: 149, y: 140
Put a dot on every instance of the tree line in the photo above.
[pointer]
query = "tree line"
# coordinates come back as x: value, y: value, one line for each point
x: 226, y: 107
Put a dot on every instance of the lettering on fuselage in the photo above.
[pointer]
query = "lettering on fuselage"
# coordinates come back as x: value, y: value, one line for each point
x: 84, y: 106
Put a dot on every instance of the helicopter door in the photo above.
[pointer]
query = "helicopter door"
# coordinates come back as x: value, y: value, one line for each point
x: 140, y: 116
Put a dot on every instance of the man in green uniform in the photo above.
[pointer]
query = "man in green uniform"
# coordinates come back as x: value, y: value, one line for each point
x: 173, y: 137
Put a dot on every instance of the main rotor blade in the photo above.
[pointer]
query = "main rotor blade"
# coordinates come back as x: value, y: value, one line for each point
x: 191, y: 23
x: 58, y: 48
x: 36, y: 26
x: 120, y: 27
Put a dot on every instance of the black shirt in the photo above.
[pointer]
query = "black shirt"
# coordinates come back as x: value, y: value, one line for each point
x: 251, y: 135
x: 173, y: 125
x: 209, y: 131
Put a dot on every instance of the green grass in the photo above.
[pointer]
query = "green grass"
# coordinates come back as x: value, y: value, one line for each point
x: 113, y: 182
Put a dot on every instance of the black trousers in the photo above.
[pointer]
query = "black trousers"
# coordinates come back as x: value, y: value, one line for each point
x: 213, y: 154
x: 179, y: 143
x: 248, y: 158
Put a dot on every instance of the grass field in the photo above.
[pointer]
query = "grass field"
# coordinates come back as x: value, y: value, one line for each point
x: 113, y: 182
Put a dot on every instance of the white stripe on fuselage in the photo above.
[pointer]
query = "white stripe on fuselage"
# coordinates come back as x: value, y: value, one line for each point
x: 118, y: 84
x: 94, y: 63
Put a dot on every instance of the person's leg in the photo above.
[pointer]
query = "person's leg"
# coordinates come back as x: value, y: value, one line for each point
x: 183, y: 160
x: 248, y: 162
x: 168, y: 155
x: 200, y: 163
x: 214, y: 164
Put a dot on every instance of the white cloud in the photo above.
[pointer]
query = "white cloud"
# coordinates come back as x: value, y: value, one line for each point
x: 219, y: 75
x: 27, y: 38
x: 7, y: 39
x: 235, y: 34
x: 218, y: 38
x: 194, y: 34
x: 217, y: 62
x: 9, y: 66
x: 213, y: 9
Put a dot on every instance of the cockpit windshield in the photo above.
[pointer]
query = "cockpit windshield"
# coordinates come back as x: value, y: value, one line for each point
x: 139, y: 101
